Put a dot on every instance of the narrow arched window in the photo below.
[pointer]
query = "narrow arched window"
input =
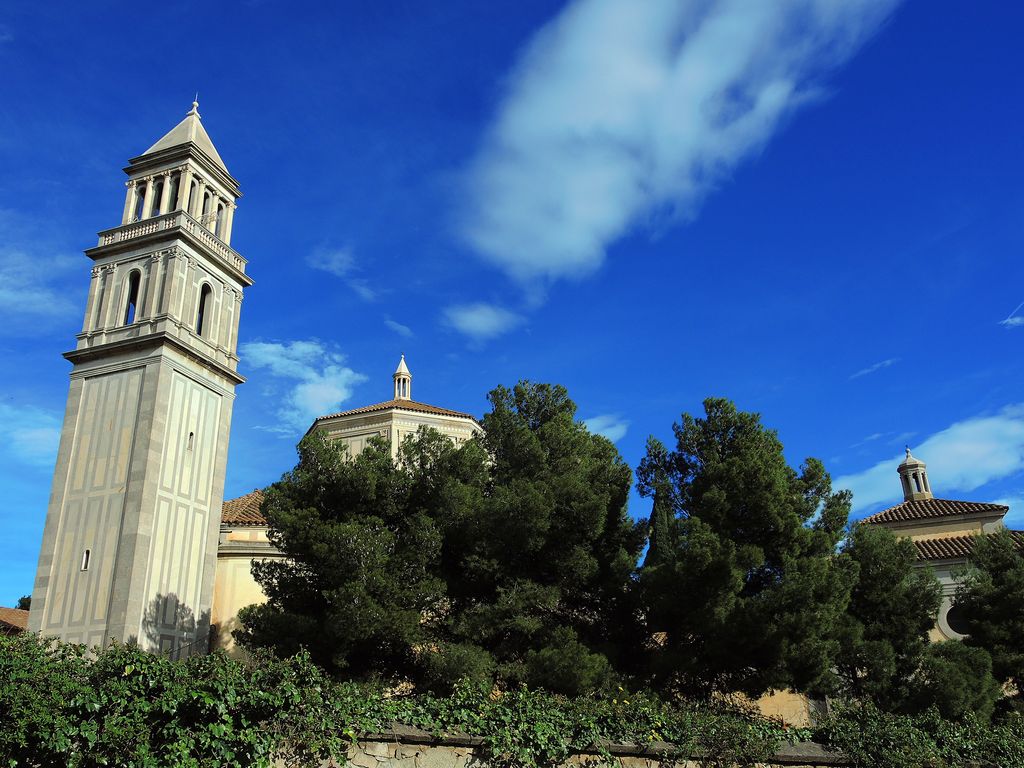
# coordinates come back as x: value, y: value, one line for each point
x: 205, y: 218
x: 191, y: 198
x: 218, y: 224
x: 158, y: 191
x: 140, y: 201
x: 86, y: 557
x: 917, y: 483
x: 131, y: 303
x: 204, y: 306
x: 172, y: 199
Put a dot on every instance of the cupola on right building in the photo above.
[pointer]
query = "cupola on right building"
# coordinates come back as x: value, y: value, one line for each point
x: 943, y: 532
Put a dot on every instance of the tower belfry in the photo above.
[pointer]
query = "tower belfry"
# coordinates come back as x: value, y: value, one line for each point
x: 129, y: 548
x: 403, y: 381
x: 914, y: 478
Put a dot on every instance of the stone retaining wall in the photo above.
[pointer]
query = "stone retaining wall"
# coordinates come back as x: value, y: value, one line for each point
x: 412, y: 748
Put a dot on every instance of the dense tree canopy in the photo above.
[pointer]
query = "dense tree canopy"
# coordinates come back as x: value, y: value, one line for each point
x: 892, y: 607
x: 742, y: 589
x: 991, y: 601
x: 510, y: 556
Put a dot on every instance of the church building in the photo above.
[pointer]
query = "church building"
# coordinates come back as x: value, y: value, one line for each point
x: 943, y: 532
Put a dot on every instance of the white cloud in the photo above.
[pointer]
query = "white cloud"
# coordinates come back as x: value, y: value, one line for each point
x: 876, y: 367
x: 611, y: 425
x: 481, y: 321
x: 341, y: 262
x: 30, y: 435
x: 28, y: 284
x: 960, y: 458
x: 402, y: 330
x: 619, y: 109
x: 322, y: 381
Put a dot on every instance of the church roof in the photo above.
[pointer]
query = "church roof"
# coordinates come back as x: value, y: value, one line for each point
x: 13, y: 620
x: 189, y: 130
x: 402, y: 405
x: 245, y: 510
x: 928, y: 509
x: 954, y: 547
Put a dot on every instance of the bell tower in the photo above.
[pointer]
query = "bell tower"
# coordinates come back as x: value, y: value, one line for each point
x: 130, y: 544
x: 914, y: 478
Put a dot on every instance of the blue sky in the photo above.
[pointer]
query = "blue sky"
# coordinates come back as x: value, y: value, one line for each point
x: 812, y: 208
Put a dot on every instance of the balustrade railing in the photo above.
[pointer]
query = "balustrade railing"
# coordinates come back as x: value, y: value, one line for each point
x: 169, y: 221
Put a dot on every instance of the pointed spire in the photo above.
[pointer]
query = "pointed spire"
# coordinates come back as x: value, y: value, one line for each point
x: 189, y: 130
x: 403, y: 381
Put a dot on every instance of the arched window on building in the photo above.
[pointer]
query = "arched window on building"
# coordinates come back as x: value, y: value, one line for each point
x: 140, y: 201
x: 158, y: 191
x: 191, y: 201
x: 205, y: 218
x: 132, y: 301
x: 218, y: 223
x: 204, y: 307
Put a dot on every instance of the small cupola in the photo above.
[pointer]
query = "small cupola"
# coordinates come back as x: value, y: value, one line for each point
x: 914, y: 476
x: 403, y: 381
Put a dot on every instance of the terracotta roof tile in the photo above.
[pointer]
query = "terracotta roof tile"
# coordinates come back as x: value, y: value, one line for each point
x: 245, y: 510
x: 13, y: 620
x: 954, y: 547
x: 403, y: 405
x: 925, y: 509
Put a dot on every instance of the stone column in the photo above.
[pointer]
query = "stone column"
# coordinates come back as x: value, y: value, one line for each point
x: 129, y: 202
x: 232, y: 344
x: 165, y: 193
x: 184, y: 185
x: 229, y: 217
x: 172, y: 284
x: 113, y: 297
x: 152, y: 282
x: 147, y: 206
x: 94, y: 296
x: 197, y: 209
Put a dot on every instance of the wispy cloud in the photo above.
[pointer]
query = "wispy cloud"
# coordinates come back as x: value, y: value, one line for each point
x: 341, y: 262
x: 30, y: 435
x: 875, y: 368
x: 318, y: 379
x: 611, y: 425
x: 964, y: 456
x: 481, y: 321
x: 29, y: 284
x: 402, y: 330
x: 617, y: 110
x: 1013, y: 320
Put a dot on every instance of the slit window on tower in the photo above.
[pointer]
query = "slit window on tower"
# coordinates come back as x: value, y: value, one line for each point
x: 191, y: 197
x: 204, y: 301
x: 132, y: 301
x: 86, y: 555
x: 205, y: 219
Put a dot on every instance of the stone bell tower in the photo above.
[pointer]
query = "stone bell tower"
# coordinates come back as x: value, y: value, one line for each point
x: 130, y: 545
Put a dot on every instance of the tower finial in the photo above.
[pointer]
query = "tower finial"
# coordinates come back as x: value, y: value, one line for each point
x: 195, y: 106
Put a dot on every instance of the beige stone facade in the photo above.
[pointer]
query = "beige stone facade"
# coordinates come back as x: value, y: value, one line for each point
x: 130, y: 544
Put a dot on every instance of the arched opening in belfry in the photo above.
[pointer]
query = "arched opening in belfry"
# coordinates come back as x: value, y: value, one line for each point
x: 218, y: 222
x: 158, y: 191
x: 191, y: 201
x: 207, y: 202
x: 132, y: 300
x: 172, y: 198
x: 204, y: 302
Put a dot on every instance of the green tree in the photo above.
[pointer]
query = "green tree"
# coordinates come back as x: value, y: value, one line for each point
x: 990, y: 598
x: 363, y: 546
x: 540, y: 567
x: 510, y: 556
x: 956, y: 679
x: 24, y: 602
x: 892, y: 607
x: 751, y: 594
